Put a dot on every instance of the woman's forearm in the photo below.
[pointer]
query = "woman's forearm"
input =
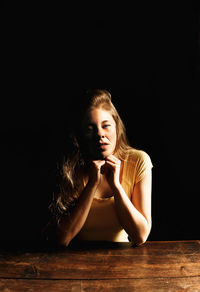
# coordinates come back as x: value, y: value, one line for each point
x: 134, y: 223
x: 71, y: 224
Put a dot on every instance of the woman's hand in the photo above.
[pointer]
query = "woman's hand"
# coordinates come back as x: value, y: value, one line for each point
x: 95, y: 171
x: 111, y: 169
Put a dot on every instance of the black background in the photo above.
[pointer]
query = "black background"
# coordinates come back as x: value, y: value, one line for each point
x: 147, y: 56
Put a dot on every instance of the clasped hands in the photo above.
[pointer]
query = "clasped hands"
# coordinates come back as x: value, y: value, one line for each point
x: 110, y: 167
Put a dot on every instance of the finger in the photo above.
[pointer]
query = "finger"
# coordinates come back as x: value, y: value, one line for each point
x: 113, y: 159
x: 110, y: 163
x: 99, y: 163
x: 98, y: 160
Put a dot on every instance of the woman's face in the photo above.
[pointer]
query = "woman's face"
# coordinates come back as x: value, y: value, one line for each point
x: 100, y: 135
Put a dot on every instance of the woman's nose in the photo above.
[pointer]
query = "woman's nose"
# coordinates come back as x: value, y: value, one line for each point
x: 100, y: 133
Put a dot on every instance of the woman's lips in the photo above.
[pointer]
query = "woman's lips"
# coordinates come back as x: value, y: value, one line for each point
x: 103, y: 146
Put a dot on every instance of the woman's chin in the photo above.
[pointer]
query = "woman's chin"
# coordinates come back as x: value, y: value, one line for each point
x: 99, y: 155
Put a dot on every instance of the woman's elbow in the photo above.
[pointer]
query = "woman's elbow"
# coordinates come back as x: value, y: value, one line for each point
x: 142, y: 237
x: 63, y: 240
x: 137, y: 241
x: 140, y: 240
x: 63, y: 243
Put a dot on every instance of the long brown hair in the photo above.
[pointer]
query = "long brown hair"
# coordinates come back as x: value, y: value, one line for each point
x: 74, y: 170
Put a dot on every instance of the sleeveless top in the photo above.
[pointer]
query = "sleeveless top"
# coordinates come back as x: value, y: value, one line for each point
x: 102, y: 223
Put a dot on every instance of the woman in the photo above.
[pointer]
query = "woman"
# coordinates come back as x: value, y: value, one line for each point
x: 105, y: 194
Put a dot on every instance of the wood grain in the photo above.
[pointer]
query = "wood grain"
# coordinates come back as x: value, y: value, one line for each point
x: 152, y: 260
x: 155, y: 266
x: 117, y: 285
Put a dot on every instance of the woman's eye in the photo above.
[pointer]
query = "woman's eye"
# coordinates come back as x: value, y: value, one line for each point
x: 90, y: 128
x: 106, y: 126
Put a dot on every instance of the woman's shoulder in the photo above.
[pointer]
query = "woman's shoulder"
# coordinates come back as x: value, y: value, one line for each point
x: 134, y: 155
x: 138, y: 162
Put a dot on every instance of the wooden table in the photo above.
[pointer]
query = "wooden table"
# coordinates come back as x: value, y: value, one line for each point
x: 154, y: 266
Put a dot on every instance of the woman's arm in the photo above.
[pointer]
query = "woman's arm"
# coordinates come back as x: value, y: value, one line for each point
x: 135, y: 214
x: 71, y: 224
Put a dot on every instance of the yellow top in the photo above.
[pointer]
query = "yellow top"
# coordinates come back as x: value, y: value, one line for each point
x: 102, y: 222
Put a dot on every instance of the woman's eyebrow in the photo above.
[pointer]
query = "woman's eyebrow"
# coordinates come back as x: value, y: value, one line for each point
x: 93, y: 124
